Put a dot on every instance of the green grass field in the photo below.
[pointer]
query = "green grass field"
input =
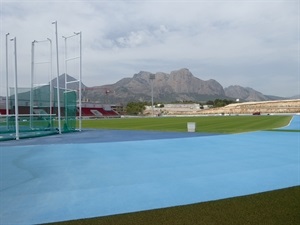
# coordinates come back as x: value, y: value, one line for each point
x: 207, y: 124
x: 280, y: 207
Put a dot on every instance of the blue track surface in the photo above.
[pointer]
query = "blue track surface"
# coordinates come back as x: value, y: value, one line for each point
x: 294, y: 124
x: 84, y: 175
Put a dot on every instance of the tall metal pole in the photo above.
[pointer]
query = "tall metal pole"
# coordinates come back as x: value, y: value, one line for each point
x: 152, y: 97
x: 66, y: 82
x: 58, y: 94
x: 31, y: 82
x: 50, y: 84
x: 152, y: 77
x: 33, y: 62
x: 66, y: 57
x: 80, y: 72
x: 80, y: 80
x: 16, y: 90
x: 6, y: 62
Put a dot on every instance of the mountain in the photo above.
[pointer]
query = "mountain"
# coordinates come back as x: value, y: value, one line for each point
x: 295, y: 97
x: 244, y: 93
x: 61, y: 80
x: 179, y: 85
x: 248, y: 94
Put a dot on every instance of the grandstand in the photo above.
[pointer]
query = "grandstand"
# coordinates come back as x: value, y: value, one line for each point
x: 94, y: 110
x: 89, y: 110
x: 2, y: 106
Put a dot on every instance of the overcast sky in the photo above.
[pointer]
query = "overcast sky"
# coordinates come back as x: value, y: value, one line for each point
x: 252, y: 43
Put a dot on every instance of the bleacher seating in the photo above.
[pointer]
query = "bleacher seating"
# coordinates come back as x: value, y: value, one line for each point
x: 2, y: 111
x: 86, y: 111
x: 98, y: 112
x: 107, y: 112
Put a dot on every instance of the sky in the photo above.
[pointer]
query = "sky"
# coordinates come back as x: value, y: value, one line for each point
x: 251, y: 43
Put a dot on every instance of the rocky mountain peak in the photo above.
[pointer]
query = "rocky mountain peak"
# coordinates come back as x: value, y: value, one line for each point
x: 142, y: 75
x: 178, y: 85
x: 245, y: 93
x: 181, y: 74
x: 61, y: 82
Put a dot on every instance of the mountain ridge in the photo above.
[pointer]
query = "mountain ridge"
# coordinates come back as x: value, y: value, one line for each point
x: 178, y: 85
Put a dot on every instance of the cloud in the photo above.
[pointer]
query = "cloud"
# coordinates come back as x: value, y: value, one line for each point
x: 235, y: 42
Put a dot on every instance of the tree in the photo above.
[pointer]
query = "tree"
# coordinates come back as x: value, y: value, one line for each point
x: 219, y: 102
x: 135, y: 108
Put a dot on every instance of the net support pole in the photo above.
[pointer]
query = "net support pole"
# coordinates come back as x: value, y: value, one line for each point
x: 80, y: 73
x: 31, y: 82
x: 6, y: 64
x: 50, y: 84
x: 57, y: 81
x: 66, y: 66
x: 80, y: 81
x: 16, y: 90
x: 152, y: 78
x: 66, y: 80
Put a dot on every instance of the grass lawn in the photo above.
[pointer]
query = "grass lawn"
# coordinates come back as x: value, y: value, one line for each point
x: 280, y: 207
x: 207, y: 124
x: 271, y: 208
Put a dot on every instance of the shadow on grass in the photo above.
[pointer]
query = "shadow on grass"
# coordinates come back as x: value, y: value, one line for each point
x: 270, y: 208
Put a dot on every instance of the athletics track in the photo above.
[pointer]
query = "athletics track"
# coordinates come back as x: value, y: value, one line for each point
x: 98, y: 173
